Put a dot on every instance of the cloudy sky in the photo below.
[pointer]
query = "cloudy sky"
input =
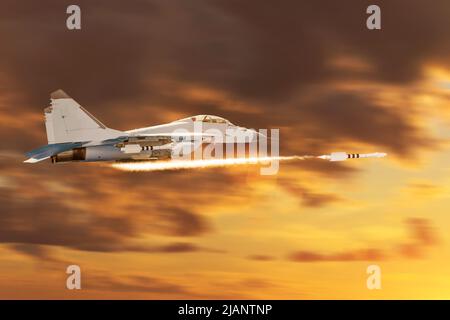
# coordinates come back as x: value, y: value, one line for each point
x: 311, y: 69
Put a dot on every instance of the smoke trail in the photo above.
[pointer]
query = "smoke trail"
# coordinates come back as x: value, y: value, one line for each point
x: 193, y: 164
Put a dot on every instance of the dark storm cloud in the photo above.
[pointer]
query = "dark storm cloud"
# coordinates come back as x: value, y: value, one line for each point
x: 308, y: 197
x: 30, y: 224
x: 36, y: 251
x: 102, y: 282
x: 422, y: 236
x: 179, y: 247
x: 51, y: 223
x: 44, y: 252
x: 325, y: 169
x: 99, y: 209
x: 348, y: 117
x: 261, y: 257
x: 358, y: 255
x: 304, y: 33
x: 184, y: 247
x: 126, y: 66
x: 116, y: 207
x: 43, y: 55
x: 95, y: 208
x: 139, y: 52
x: 181, y: 222
x: 422, y: 231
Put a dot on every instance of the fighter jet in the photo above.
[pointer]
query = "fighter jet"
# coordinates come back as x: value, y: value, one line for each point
x: 74, y: 134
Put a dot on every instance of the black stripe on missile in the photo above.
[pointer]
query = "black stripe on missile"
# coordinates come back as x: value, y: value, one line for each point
x: 349, y: 156
x: 357, y: 155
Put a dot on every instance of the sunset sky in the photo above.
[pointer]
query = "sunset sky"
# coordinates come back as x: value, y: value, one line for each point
x: 309, y: 68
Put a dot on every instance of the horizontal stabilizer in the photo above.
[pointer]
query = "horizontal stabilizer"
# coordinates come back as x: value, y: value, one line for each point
x: 47, y: 151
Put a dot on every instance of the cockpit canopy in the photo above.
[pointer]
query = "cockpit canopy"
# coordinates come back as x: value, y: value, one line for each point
x: 206, y: 118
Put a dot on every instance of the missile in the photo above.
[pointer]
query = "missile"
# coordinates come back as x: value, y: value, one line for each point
x: 131, y: 148
x: 342, y: 156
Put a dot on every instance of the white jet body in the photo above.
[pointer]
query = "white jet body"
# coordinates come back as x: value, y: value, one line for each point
x: 74, y: 134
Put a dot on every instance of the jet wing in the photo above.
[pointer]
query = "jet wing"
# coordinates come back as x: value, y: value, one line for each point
x: 49, y: 150
x: 167, y: 135
x: 175, y: 134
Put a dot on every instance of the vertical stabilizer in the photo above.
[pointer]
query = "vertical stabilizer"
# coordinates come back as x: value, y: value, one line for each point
x: 67, y: 121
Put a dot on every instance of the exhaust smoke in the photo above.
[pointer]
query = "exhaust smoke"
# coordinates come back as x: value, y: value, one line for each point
x: 196, y: 164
